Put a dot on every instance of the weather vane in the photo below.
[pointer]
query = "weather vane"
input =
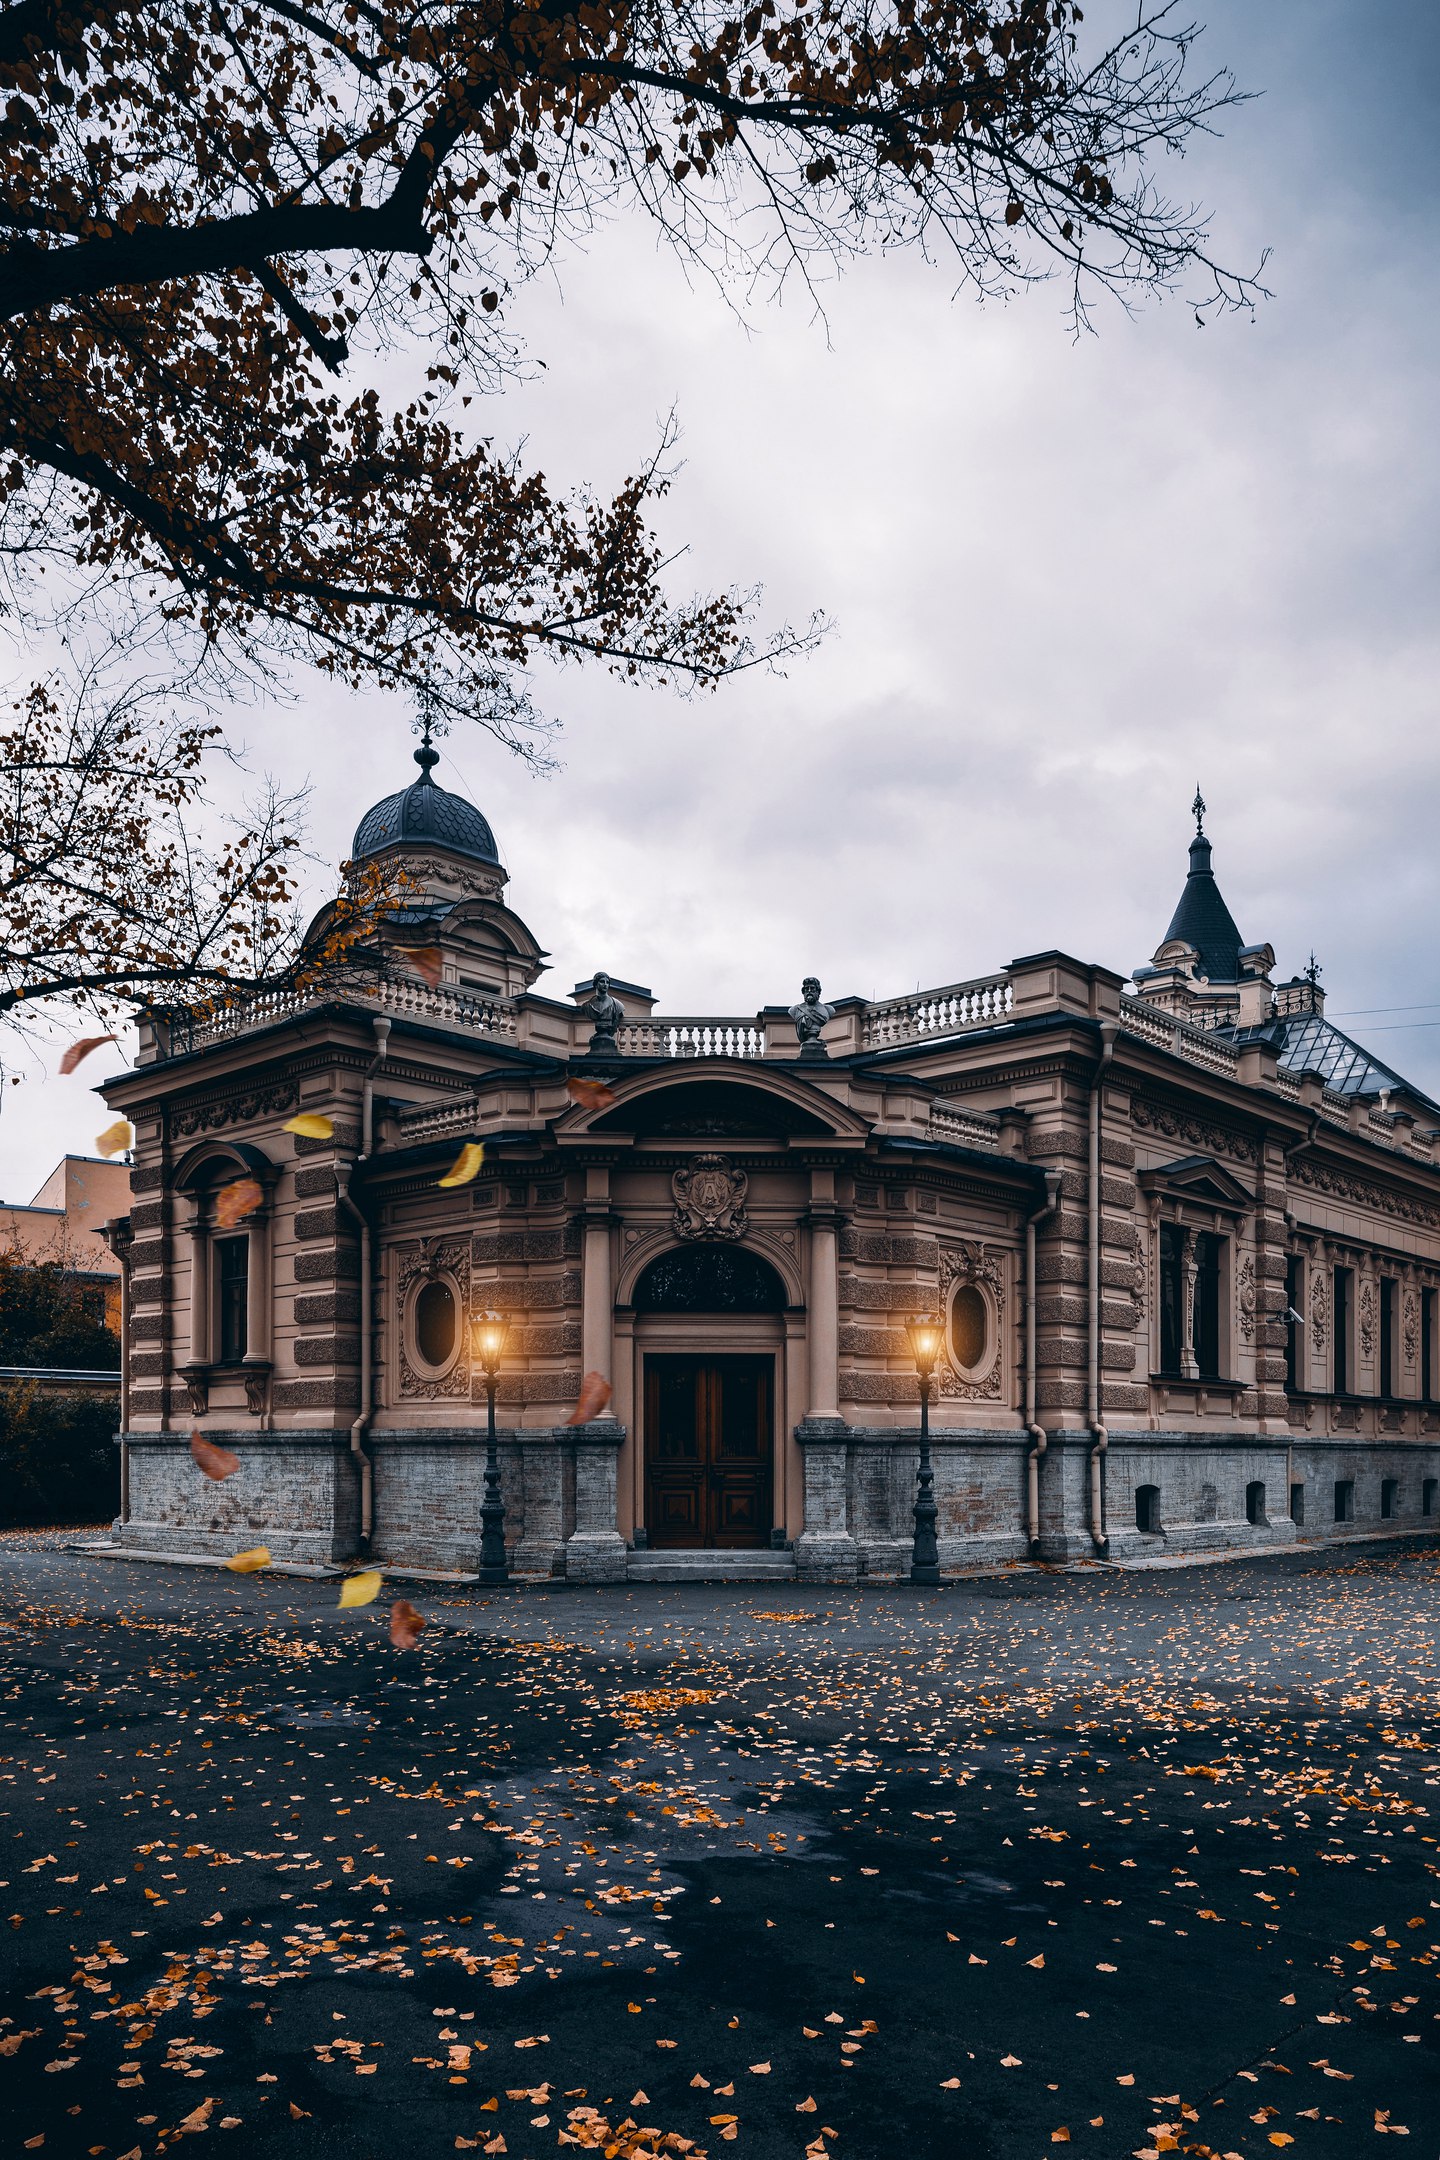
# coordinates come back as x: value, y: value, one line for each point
x: 1198, y: 809
x: 1312, y: 971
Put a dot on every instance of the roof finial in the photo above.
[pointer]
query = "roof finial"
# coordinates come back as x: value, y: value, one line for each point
x: 1198, y: 810
x: 427, y: 755
x: 1313, y: 970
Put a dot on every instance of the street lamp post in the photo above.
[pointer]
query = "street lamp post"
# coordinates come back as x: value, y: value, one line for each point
x: 924, y: 1333
x: 487, y: 1341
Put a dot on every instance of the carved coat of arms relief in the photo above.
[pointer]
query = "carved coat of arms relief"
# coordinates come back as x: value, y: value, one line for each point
x: 710, y: 1199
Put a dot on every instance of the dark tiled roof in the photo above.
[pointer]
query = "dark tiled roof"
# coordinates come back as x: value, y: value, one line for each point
x: 425, y: 815
x: 1203, y: 920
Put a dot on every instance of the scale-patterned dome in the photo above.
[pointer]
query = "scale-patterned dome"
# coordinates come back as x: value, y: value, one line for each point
x: 425, y: 815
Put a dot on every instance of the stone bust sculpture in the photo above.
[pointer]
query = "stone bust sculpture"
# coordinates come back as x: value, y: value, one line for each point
x: 809, y: 1017
x: 607, y: 1013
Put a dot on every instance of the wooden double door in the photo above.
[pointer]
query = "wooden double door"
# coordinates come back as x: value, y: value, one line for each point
x: 708, y: 1448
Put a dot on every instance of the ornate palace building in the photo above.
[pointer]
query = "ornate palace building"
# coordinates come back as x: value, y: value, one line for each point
x: 1183, y: 1234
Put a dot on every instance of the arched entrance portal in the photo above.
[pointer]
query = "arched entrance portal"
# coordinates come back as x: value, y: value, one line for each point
x: 709, y: 1416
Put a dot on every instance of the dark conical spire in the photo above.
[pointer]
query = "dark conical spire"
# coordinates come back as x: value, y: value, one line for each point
x: 1202, y: 918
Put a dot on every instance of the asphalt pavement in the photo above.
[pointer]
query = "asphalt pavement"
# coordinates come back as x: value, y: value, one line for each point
x: 1134, y: 1863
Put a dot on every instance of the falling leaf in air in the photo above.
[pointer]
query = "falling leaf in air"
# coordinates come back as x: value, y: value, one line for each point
x: 594, y: 1394
x: 235, y: 1201
x: 251, y: 1562
x: 216, y: 1462
x: 297, y: 2114
x: 82, y: 1049
x: 361, y: 1589
x: 466, y: 1165
x: 590, y: 1094
x: 405, y: 1624
x: 116, y: 1138
x: 309, y: 1125
x: 427, y: 961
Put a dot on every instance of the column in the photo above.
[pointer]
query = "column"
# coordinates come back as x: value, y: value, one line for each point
x: 825, y: 1551
x: 1189, y: 1276
x: 823, y: 1319
x: 597, y: 1311
x: 257, y: 1311
x: 199, y: 1351
x: 595, y: 1550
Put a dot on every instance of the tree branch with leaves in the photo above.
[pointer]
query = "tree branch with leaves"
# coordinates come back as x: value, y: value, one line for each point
x: 111, y: 900
x: 208, y: 209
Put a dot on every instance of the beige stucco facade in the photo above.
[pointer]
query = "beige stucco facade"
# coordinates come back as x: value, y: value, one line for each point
x: 1117, y: 1200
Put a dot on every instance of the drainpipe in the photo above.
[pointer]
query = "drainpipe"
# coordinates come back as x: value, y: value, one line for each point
x: 360, y: 1452
x: 1035, y: 1432
x: 1100, y: 1438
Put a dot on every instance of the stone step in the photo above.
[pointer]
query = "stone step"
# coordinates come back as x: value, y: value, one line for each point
x: 681, y: 1565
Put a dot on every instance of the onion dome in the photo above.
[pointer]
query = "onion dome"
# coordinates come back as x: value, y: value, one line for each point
x: 423, y: 815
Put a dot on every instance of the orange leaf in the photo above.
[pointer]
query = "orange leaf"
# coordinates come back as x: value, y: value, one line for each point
x: 590, y: 1094
x: 427, y: 961
x: 235, y: 1201
x: 82, y: 1049
x: 216, y: 1462
x: 594, y: 1394
x: 405, y: 1624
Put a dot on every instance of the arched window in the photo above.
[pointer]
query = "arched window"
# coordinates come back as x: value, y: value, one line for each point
x: 1147, y: 1509
x: 709, y: 1279
x: 434, y: 1320
x: 1255, y: 1501
x: 970, y: 1328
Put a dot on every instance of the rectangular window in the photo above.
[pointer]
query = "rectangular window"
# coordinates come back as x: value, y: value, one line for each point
x: 1297, y: 1505
x: 232, y: 1269
x: 1294, y: 1328
x: 1427, y: 1344
x: 1207, y: 1304
x: 1344, y: 1500
x: 1172, y: 1297
x: 1388, y: 1305
x: 1344, y: 1280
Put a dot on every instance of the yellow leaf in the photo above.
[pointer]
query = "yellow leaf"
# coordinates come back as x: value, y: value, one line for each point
x: 466, y: 1165
x: 309, y: 1125
x: 251, y: 1562
x: 360, y: 1589
x: 116, y: 1138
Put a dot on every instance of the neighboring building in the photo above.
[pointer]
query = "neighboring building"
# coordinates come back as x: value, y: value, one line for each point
x: 1185, y: 1241
x: 65, y: 1222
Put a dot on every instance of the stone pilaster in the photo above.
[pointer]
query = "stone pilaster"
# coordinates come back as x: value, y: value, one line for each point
x: 826, y: 1550
x: 595, y: 1550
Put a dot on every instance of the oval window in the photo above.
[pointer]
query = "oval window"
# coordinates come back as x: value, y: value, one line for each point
x: 435, y: 1323
x: 969, y: 1327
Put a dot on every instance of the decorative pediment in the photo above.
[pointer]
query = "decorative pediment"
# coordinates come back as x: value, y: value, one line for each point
x: 1199, y: 1178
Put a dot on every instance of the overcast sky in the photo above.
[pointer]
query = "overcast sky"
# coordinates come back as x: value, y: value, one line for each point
x: 1067, y: 583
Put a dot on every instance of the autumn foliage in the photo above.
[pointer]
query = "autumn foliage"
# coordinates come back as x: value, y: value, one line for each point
x: 210, y: 207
